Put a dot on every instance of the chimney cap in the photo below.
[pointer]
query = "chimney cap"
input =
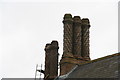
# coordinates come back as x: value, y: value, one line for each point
x: 54, y: 42
x: 67, y: 16
x: 85, y: 21
x: 77, y: 17
x: 47, y: 46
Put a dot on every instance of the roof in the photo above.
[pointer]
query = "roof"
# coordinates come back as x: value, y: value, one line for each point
x: 105, y: 67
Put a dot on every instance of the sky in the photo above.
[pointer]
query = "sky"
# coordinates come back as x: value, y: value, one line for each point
x: 28, y: 25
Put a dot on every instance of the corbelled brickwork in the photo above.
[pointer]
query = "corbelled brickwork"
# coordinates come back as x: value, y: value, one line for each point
x: 51, y: 60
x: 76, y: 42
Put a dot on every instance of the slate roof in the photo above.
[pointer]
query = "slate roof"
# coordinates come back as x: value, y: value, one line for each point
x: 105, y: 67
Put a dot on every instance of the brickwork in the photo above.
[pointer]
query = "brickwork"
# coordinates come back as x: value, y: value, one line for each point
x: 75, y: 47
x: 77, y: 36
x: 51, y: 60
x: 47, y: 62
x: 75, y: 42
x: 68, y: 31
x: 85, y: 38
x: 67, y: 67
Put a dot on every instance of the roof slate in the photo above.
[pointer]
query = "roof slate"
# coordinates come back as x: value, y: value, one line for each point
x: 105, y: 67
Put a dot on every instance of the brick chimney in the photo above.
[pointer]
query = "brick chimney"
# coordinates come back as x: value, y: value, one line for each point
x: 77, y: 35
x: 85, y: 38
x: 67, y: 45
x: 51, y: 60
x: 68, y: 31
x: 75, y: 42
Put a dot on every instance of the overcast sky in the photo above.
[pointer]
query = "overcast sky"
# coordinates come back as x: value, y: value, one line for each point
x: 27, y: 25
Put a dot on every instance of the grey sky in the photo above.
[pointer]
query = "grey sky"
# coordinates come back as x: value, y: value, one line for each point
x: 26, y: 26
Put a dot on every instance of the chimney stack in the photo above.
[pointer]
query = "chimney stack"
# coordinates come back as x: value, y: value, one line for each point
x: 75, y: 42
x: 77, y: 31
x: 67, y: 44
x: 85, y: 38
x: 68, y: 31
x: 75, y: 47
x: 51, y: 60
